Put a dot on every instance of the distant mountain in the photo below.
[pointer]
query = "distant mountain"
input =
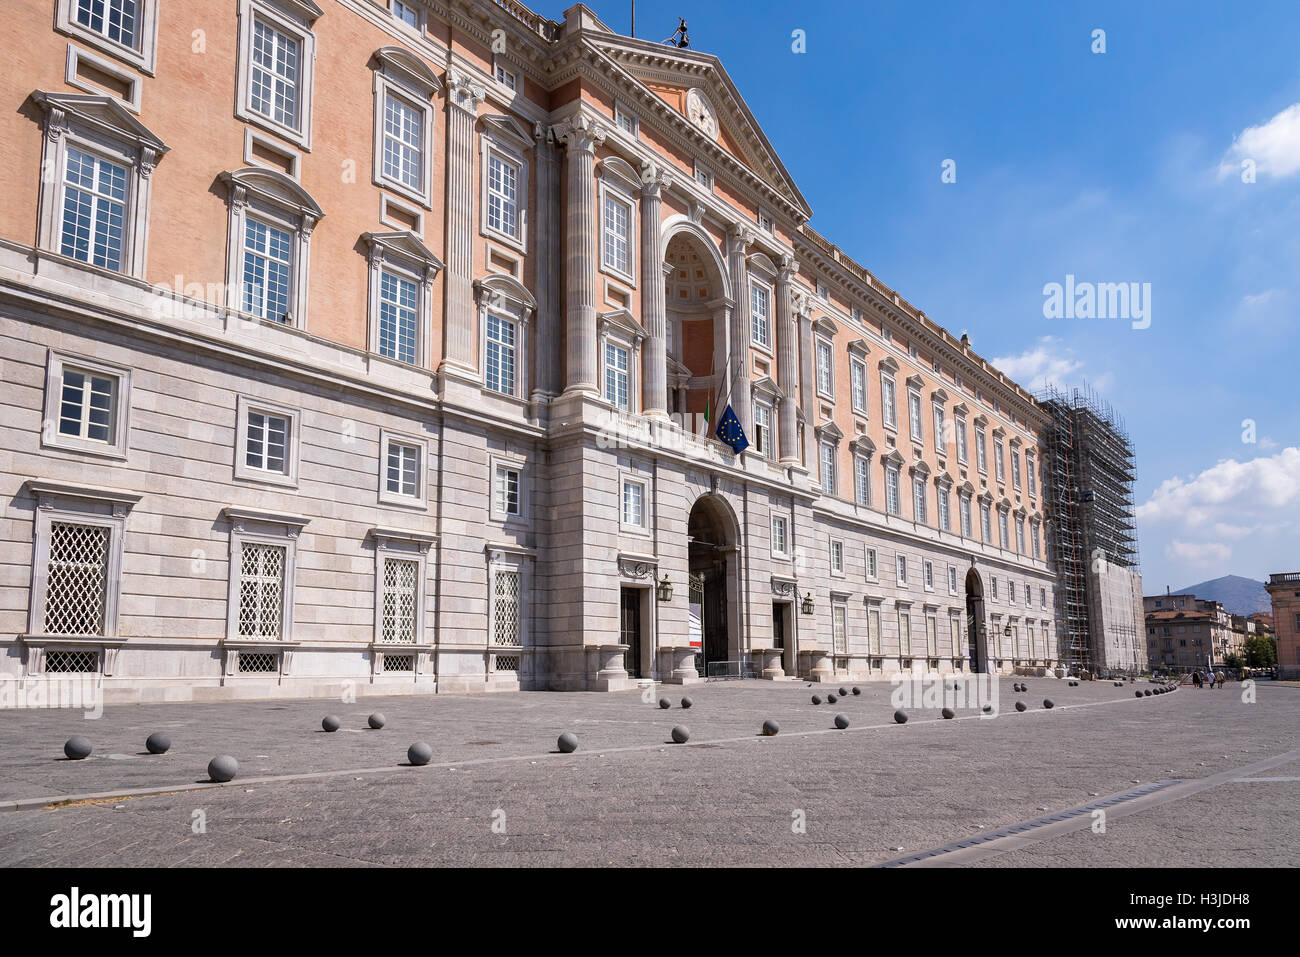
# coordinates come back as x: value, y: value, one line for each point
x: 1240, y: 596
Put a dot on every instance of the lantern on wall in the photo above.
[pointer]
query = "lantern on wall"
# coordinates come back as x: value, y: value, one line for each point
x: 807, y: 604
x: 665, y: 590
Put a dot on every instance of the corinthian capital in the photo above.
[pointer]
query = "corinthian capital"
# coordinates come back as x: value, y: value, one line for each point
x: 741, y: 237
x: 463, y: 92
x: 580, y: 133
x: 654, y: 179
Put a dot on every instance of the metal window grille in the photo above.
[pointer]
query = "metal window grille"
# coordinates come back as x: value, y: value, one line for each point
x: 76, y: 579
x: 840, y: 630
x: 506, y: 588
x: 401, y: 593
x: 261, y: 590
x: 72, y: 662
x: 507, y: 663
x: 259, y: 663
x: 405, y: 663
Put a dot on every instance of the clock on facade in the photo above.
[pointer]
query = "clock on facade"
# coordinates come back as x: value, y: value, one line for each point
x: 700, y: 112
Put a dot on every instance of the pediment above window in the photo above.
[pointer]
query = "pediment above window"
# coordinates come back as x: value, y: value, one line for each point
x: 863, y: 445
x: 981, y: 421
x: 761, y: 265
x: 829, y: 432
x: 1015, y: 442
x: 622, y: 322
x: 611, y: 167
x: 920, y: 468
x: 938, y: 395
x: 961, y: 409
x: 859, y: 347
x: 965, y: 488
x: 304, y: 11
x: 103, y: 114
x: 888, y: 364
x: 408, y: 69
x: 943, y: 479
x: 767, y: 386
x: 405, y: 245
x: 272, y: 187
x: 999, y: 432
x: 825, y: 326
x: 894, y: 458
x: 915, y: 381
x: 508, y: 130
x: 498, y: 291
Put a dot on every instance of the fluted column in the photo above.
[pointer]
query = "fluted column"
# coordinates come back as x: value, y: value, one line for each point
x: 739, y: 239
x: 549, y: 354
x: 654, y: 308
x: 787, y: 368
x: 463, y: 98
x: 581, y: 136
x: 807, y: 382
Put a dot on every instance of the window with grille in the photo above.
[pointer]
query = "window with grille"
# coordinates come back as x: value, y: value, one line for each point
x: 1029, y: 474
x: 268, y: 442
x: 940, y: 439
x: 873, y: 632
x: 952, y: 579
x: 503, y: 195
x: 981, y: 451
x: 500, y: 355
x: 506, y: 78
x: 904, y: 633
x: 927, y: 571
x: 402, y: 474
x: 955, y: 633
x: 760, y: 301
x: 407, y: 13
x: 839, y: 625
x: 986, y: 523
x: 94, y: 210
x: 993, y: 588
x: 72, y: 662
x: 259, y: 663
x: 403, y: 142
x: 1015, y: 469
x: 86, y: 406
x: 1005, y: 537
x: 77, y: 579
x: 116, y: 20
x: 401, y: 597
x: 508, y: 483
x: 945, y: 514
x: 273, y: 91
x: 400, y: 663
x: 507, y: 663
x: 618, y: 231
x: 1020, y: 535
x: 618, y: 376
x: 399, y: 300
x: 627, y: 122
x: 261, y: 590
x: 267, y: 255
x: 506, y: 611
x: 901, y: 561
x: 932, y: 635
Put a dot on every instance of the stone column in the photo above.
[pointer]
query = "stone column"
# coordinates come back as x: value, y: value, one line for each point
x: 459, y: 334
x: 654, y: 308
x: 739, y: 239
x: 549, y: 357
x: 787, y: 368
x: 581, y: 136
x: 807, y: 381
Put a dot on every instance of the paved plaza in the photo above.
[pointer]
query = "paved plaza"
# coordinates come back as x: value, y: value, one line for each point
x: 1227, y: 777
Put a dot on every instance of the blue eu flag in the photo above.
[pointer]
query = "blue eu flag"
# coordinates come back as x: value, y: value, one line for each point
x: 731, y: 433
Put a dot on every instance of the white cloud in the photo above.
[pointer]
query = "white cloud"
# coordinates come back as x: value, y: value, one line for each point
x: 1050, y: 360
x: 1198, y: 553
x: 1230, y: 492
x: 1273, y: 146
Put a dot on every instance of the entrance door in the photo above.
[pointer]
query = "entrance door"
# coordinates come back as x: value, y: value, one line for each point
x: 778, y: 626
x: 715, y: 618
x: 630, y: 630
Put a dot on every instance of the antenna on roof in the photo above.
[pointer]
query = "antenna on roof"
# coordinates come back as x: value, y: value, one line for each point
x: 680, y: 37
x: 633, y: 19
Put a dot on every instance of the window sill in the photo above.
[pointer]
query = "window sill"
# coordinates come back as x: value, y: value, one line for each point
x: 517, y: 243
x: 407, y: 192
x: 85, y: 447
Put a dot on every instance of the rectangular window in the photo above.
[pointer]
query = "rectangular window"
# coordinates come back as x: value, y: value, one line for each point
x: 945, y: 512
x: 1004, y: 535
x: 402, y: 473
x: 839, y: 615
x: 999, y: 466
x: 76, y: 579
x: 1020, y: 535
x: 626, y: 121
x: 760, y: 299
x: 266, y: 270
x: 952, y: 579
x: 1015, y: 469
x: 986, y: 523
x: 506, y: 78
x: 904, y: 634
x: 918, y: 499
x: 993, y: 588
x: 94, y: 210
x: 872, y: 571
x: 763, y: 430
x: 1029, y: 474
x: 268, y: 443
x: 406, y: 13
x: 617, y: 230
x: 927, y: 570
x: 981, y: 451
x: 861, y: 480
x: 506, y: 491
x: 403, y: 143
x: 858, y: 381
x: 401, y: 594
x: 961, y: 440
x: 1011, y: 591
x: 398, y: 301
x: 939, y: 440
x: 1034, y: 538
x: 892, y: 503
x: 87, y: 406
x: 828, y: 468
x: 965, y: 516
x: 273, y: 91
x: 503, y: 195
x: 873, y: 630
x: 116, y: 20
x: 634, y: 504
x: 901, y: 561
x: 825, y: 374
x: 618, y: 376
x: 501, y: 349
x: 507, y: 588
x: 888, y: 401
x: 261, y: 590
x: 914, y: 416
x: 932, y: 635
x: 780, y: 539
x: 837, y: 558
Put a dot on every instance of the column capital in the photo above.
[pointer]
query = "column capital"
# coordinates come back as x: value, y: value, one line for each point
x: 580, y: 133
x: 741, y: 236
x: 789, y: 266
x: 654, y: 180
x: 463, y: 92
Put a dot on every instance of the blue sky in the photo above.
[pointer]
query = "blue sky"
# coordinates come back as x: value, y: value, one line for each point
x: 1123, y: 166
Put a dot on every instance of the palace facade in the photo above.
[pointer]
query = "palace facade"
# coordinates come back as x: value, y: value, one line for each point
x: 381, y: 345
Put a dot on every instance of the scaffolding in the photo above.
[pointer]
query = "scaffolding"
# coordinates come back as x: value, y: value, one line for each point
x: 1089, y: 473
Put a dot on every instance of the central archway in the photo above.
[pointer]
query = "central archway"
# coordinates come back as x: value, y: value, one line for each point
x: 713, y: 537
x: 696, y: 293
x: 976, y: 630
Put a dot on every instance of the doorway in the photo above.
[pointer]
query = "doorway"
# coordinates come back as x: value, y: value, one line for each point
x: 713, y: 568
x: 976, y: 633
x: 630, y: 630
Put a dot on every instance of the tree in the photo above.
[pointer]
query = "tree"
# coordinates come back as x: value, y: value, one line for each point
x: 1261, y: 651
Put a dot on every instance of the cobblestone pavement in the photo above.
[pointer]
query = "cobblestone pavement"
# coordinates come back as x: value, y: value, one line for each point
x: 866, y: 795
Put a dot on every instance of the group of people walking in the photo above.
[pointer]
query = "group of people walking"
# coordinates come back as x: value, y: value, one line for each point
x: 1207, y: 678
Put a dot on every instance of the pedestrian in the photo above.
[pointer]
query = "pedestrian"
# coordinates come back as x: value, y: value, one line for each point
x: 1212, y: 680
x: 1196, y: 679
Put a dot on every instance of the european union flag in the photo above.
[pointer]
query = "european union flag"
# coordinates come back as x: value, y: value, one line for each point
x: 731, y: 432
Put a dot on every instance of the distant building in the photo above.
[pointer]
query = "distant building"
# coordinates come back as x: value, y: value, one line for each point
x: 1284, y: 589
x: 1185, y: 632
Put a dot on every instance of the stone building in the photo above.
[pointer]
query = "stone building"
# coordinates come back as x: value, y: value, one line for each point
x: 382, y: 344
x: 1284, y: 589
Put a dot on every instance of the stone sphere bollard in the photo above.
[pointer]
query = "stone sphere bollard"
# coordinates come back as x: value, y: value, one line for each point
x: 816, y: 699
x: 687, y: 703
x: 770, y: 728
x: 567, y: 743
x: 948, y: 714
x: 681, y: 734
x: 841, y: 721
x: 1137, y: 694
x: 844, y: 692
x: 158, y: 743
x: 665, y: 704
x: 223, y: 768
x: 77, y: 748
x: 330, y: 723
x: 419, y: 754
x: 988, y: 709
x: 376, y: 721
x: 1049, y: 704
x: 856, y: 691
x: 831, y: 699
x: 1147, y: 693
x: 900, y: 716
x: 1020, y: 706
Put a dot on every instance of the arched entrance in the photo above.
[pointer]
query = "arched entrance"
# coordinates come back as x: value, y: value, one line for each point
x: 976, y: 631
x: 712, y: 535
x: 695, y: 296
